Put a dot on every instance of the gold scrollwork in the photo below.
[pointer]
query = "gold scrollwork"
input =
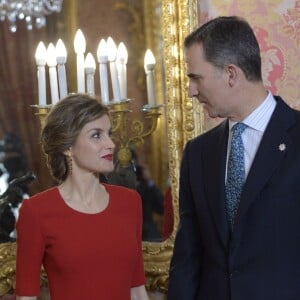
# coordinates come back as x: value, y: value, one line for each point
x: 7, y: 267
x: 179, y: 18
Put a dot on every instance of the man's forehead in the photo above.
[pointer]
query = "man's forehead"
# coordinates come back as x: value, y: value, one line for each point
x: 194, y: 52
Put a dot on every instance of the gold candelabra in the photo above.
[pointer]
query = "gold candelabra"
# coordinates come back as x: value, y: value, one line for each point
x: 126, y: 132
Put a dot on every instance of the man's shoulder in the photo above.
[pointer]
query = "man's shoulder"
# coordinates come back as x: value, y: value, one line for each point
x: 211, y: 134
x: 285, y: 112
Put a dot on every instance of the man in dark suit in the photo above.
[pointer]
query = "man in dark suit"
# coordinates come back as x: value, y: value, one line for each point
x: 248, y: 249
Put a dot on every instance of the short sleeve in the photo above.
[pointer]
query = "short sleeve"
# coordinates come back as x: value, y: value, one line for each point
x: 139, y: 275
x: 30, y: 251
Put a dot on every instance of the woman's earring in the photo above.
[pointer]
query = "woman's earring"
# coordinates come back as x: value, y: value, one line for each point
x: 69, y: 164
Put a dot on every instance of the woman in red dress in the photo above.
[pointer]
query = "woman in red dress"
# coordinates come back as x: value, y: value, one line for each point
x: 86, y: 234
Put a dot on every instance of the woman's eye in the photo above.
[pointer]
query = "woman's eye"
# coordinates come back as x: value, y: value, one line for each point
x: 96, y: 135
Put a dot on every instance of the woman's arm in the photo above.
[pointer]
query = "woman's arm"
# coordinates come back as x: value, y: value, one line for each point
x: 26, y: 298
x: 137, y: 293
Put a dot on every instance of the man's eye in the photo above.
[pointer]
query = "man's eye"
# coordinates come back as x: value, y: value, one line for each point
x: 194, y: 76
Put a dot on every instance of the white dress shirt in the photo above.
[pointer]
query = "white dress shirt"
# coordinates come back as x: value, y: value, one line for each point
x: 256, y: 123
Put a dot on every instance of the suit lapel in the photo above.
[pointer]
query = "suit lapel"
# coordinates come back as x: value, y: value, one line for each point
x: 214, y: 160
x: 274, y: 146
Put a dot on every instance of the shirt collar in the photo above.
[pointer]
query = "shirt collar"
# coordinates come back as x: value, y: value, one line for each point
x: 259, y: 118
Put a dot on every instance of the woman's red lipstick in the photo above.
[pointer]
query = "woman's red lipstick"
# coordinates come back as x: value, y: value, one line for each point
x: 108, y: 157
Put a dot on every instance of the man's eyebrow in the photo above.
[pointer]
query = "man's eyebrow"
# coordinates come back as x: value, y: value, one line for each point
x: 193, y: 75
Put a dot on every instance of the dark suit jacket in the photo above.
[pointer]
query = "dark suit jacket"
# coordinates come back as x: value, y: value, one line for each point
x: 260, y: 259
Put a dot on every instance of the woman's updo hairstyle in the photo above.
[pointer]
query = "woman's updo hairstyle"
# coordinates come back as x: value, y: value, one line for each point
x: 62, y: 127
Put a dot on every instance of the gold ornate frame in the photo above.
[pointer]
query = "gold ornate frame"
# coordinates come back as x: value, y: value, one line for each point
x: 184, y: 121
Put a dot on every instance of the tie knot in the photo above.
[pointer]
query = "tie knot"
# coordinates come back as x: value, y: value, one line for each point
x: 238, y: 129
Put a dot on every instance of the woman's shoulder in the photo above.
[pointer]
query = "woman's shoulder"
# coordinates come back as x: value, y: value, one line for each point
x: 42, y: 198
x: 44, y: 194
x: 122, y: 192
x: 119, y: 189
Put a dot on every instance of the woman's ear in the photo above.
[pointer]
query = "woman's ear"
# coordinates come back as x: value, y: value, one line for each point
x: 68, y: 152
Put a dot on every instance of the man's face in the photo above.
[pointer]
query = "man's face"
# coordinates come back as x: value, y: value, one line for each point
x: 207, y: 83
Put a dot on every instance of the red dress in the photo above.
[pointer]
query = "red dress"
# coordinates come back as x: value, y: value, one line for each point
x: 86, y: 256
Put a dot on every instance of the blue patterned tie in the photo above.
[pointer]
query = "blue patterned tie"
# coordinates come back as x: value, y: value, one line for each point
x: 235, y: 172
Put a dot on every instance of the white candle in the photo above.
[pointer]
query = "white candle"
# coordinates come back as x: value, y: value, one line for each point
x: 122, y: 57
x: 40, y: 58
x: 112, y: 55
x: 149, y: 64
x: 102, y: 60
x: 79, y: 46
x: 51, y: 62
x: 90, y: 67
x: 61, y: 59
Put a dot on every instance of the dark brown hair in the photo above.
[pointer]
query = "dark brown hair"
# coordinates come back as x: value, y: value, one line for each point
x: 229, y: 40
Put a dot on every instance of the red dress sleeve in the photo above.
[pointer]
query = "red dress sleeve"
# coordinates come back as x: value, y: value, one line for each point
x: 139, y: 275
x: 30, y: 251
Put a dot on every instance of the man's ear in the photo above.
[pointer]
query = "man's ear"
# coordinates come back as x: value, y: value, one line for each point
x: 232, y: 73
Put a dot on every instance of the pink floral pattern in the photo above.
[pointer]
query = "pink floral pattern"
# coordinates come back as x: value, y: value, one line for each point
x: 292, y: 19
x: 273, y: 60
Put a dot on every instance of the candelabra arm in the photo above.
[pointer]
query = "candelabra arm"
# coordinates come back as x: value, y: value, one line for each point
x: 137, y: 134
x: 42, y: 112
x: 118, y: 112
x: 138, y: 128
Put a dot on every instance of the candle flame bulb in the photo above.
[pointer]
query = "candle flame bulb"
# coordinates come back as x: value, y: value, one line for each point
x: 89, y: 62
x: 122, y: 54
x: 79, y: 42
x: 112, y: 49
x: 149, y: 60
x: 41, y: 54
x: 102, y: 53
x: 51, y: 56
x: 61, y: 52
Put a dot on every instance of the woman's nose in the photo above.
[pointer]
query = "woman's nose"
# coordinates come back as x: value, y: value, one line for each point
x: 110, y: 143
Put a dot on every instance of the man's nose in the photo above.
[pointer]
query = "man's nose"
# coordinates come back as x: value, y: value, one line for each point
x: 192, y: 90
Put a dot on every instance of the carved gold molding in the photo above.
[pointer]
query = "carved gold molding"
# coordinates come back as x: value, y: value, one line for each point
x: 179, y: 17
x: 7, y: 267
x: 154, y: 41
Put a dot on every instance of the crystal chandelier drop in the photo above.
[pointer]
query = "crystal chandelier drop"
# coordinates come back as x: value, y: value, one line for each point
x: 33, y: 12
